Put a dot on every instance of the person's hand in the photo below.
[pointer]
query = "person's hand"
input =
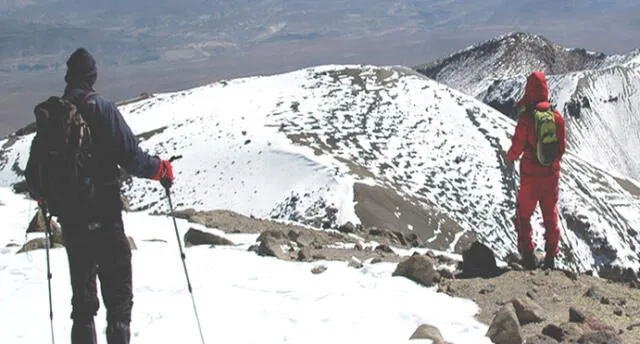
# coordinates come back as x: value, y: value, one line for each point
x: 164, y: 174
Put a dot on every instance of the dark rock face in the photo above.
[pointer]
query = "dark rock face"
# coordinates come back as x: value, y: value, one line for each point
x: 479, y: 261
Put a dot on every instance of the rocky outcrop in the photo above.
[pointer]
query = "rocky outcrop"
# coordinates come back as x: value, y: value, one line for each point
x: 505, y: 327
x: 195, y: 237
x: 426, y: 331
x: 419, y: 269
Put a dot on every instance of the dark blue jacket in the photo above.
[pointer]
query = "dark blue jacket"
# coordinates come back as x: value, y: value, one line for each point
x: 113, y: 141
x: 113, y: 145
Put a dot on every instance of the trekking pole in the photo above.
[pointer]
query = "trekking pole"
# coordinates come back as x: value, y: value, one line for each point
x: 166, y: 183
x: 49, y: 242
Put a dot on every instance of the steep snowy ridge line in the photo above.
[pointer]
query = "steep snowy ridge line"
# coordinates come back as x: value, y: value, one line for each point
x: 295, y: 147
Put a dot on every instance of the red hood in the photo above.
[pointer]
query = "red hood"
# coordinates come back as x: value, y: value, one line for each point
x: 536, y: 90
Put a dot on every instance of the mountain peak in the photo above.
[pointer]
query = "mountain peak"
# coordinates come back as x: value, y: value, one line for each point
x: 509, y: 55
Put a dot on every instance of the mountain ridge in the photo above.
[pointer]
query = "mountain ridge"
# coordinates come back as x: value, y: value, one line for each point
x: 352, y: 136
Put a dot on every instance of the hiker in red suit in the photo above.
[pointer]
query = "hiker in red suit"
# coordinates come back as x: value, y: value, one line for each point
x: 538, y: 183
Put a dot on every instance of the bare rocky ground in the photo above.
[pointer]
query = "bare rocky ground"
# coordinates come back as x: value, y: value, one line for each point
x: 607, y: 311
x: 614, y: 304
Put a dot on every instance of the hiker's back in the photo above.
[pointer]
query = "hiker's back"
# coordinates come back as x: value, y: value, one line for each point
x: 531, y: 160
x: 71, y: 165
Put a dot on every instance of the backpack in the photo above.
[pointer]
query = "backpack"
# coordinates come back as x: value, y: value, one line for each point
x: 59, y: 162
x: 547, y: 145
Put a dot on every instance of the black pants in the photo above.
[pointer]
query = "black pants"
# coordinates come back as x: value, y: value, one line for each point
x: 101, y: 251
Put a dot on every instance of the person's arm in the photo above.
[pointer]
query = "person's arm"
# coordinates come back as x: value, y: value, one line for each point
x: 124, y: 144
x: 518, y: 141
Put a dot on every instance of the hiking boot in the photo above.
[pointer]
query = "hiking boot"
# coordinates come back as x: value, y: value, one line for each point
x: 529, y: 261
x: 549, y: 263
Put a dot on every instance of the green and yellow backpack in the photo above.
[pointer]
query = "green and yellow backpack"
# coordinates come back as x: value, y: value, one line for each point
x: 547, y: 145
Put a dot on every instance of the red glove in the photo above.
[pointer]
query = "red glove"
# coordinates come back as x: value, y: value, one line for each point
x: 164, y: 173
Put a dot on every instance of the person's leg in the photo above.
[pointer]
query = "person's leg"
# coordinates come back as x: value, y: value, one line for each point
x: 548, y: 204
x: 527, y: 202
x: 82, y: 268
x: 114, y: 271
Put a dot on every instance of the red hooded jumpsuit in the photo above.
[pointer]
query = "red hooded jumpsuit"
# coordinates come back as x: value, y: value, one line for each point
x: 538, y: 183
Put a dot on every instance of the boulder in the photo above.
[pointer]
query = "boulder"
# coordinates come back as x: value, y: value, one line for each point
x: 355, y: 263
x: 426, y: 331
x: 38, y: 225
x: 565, y: 332
x: 419, y: 269
x: 270, y: 247
x: 505, y: 327
x: 479, y: 261
x: 36, y: 244
x: 318, y: 269
x: 528, y: 311
x: 347, y: 228
x: 195, y: 237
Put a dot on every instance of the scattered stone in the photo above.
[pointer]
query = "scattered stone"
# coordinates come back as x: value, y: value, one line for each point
x: 479, y: 261
x: 541, y: 339
x: 446, y: 273
x: 505, y: 327
x: 600, y: 337
x: 384, y: 248
x: 565, y: 332
x: 347, y: 228
x: 556, y: 298
x: 528, y: 311
x: 605, y: 300
x: 12, y: 244
x: 37, y: 244
x: 304, y: 254
x: 576, y: 315
x: 418, y: 269
x: 616, y: 273
x: 632, y: 326
x: 594, y: 293
x: 617, y: 311
x: 318, y: 269
x: 431, y: 255
x: 531, y: 295
x: 572, y: 275
x: 425, y: 331
x: 132, y: 243
x: 376, y: 260
x: 445, y: 259
x: 490, y: 288
x: 359, y: 246
x: 355, y: 263
x: 553, y: 331
x: 254, y: 248
x: 195, y: 237
x: 270, y: 247
x: 303, y: 238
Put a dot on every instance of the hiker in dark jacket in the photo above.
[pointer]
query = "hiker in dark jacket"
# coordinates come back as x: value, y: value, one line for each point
x: 94, y: 234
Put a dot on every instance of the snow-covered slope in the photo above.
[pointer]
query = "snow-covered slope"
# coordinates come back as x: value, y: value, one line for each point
x: 241, y: 297
x: 472, y: 70
x: 336, y: 143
